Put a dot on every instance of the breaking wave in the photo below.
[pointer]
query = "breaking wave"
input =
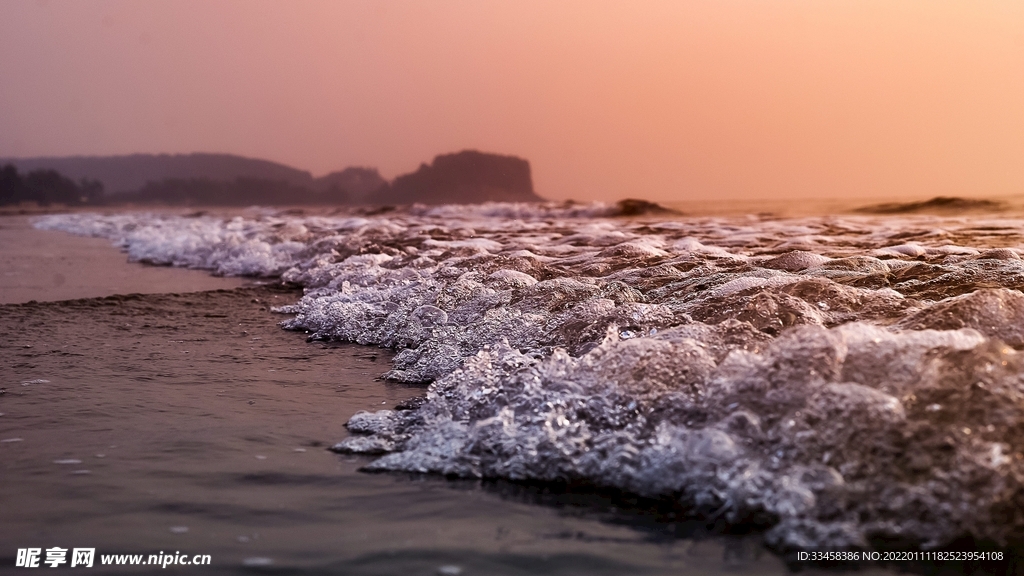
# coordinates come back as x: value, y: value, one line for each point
x: 839, y: 380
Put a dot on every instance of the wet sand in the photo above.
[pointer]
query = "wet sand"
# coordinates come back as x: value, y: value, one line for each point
x: 46, y: 266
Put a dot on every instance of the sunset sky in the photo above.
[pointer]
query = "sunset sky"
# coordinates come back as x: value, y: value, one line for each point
x: 671, y: 101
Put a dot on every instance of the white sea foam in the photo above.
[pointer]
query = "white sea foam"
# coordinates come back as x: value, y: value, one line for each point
x: 839, y: 379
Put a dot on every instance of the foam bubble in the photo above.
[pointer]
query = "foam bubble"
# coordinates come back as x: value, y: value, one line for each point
x: 838, y: 379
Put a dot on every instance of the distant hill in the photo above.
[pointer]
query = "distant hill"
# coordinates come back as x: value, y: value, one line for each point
x: 121, y: 174
x: 223, y: 179
x: 355, y: 184
x: 208, y: 192
x: 465, y: 177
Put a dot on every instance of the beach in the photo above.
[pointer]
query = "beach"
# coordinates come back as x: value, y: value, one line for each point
x: 516, y: 389
x: 476, y: 288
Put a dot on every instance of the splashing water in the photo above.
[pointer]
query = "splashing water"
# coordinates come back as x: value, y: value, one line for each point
x: 840, y: 379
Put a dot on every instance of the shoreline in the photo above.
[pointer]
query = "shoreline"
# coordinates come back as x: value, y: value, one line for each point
x: 994, y: 205
x: 48, y: 266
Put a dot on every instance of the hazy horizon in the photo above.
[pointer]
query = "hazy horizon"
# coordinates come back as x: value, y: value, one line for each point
x: 747, y: 100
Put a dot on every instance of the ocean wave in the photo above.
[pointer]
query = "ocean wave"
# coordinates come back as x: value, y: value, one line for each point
x: 838, y: 379
x: 942, y: 204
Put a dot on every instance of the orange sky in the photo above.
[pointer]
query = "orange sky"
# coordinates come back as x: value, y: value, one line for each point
x: 672, y: 101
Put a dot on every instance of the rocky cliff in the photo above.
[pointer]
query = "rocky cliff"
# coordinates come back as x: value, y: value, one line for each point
x: 465, y: 177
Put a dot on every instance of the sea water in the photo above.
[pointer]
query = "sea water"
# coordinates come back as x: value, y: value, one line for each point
x: 839, y: 381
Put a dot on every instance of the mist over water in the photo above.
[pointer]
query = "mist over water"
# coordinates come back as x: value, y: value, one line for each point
x: 843, y: 381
